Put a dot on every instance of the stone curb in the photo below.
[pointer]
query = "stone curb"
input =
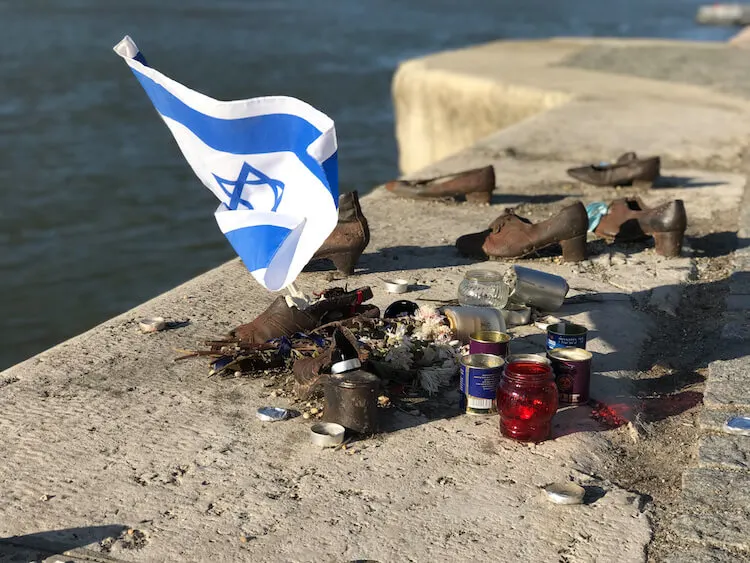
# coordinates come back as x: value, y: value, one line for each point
x: 716, y: 496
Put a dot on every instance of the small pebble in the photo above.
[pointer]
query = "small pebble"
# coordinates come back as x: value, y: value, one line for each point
x: 314, y: 410
x: 306, y: 415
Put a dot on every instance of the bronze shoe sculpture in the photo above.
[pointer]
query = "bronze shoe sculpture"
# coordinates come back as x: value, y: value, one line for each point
x: 629, y: 220
x: 511, y: 236
x: 349, y: 239
x: 475, y: 185
x: 628, y: 169
x: 281, y: 320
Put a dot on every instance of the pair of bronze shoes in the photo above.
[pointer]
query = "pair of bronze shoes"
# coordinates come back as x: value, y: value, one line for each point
x: 512, y: 236
x: 625, y: 171
x: 627, y: 220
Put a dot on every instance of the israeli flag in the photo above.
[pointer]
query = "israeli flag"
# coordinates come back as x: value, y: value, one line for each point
x: 271, y: 161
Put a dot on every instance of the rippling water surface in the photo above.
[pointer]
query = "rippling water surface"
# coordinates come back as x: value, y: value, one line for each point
x: 99, y: 211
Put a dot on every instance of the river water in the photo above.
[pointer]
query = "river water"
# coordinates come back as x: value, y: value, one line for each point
x: 98, y: 209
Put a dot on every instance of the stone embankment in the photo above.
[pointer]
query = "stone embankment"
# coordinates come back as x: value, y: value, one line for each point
x: 112, y: 451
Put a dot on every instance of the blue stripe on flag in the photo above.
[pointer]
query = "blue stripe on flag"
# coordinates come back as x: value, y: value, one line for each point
x: 249, y: 135
x: 257, y: 245
x: 331, y: 170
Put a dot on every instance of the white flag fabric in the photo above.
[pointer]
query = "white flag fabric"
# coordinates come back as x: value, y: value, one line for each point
x: 271, y: 161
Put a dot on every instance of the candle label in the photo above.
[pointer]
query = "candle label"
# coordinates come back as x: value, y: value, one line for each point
x: 478, y: 384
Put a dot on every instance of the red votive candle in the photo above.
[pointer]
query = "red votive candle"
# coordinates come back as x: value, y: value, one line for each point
x: 526, y: 398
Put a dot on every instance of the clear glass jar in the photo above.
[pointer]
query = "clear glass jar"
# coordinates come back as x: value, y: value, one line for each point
x: 527, y: 398
x: 483, y: 288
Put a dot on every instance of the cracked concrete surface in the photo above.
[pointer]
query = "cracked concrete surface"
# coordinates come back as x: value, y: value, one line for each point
x: 105, y: 429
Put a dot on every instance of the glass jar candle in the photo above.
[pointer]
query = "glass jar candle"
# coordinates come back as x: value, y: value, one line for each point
x: 483, y: 288
x: 527, y: 398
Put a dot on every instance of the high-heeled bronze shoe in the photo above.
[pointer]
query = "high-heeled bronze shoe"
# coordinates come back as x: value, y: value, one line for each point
x: 475, y: 185
x: 627, y: 170
x: 511, y: 236
x: 629, y: 220
x: 349, y: 239
x: 282, y: 320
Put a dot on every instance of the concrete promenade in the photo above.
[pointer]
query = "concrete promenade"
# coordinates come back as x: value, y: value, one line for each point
x: 111, y: 451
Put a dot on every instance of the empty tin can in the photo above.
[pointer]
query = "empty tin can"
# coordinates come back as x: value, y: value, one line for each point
x: 480, y: 374
x: 489, y: 342
x: 566, y: 335
x: 352, y: 401
x: 572, y: 368
x: 537, y: 289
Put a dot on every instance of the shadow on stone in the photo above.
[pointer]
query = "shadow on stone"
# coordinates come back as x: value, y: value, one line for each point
x: 421, y: 411
x: 593, y: 493
x: 41, y: 545
x: 718, y: 244
x: 683, y: 182
x: 516, y: 199
x: 397, y: 258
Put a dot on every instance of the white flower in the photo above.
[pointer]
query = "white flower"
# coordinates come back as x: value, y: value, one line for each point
x: 426, y: 312
x: 396, y: 336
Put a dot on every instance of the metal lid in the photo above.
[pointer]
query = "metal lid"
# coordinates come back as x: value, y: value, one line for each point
x: 565, y: 493
x: 346, y: 365
x: 353, y: 379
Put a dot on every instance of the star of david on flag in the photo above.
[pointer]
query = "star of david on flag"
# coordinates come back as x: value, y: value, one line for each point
x: 271, y: 162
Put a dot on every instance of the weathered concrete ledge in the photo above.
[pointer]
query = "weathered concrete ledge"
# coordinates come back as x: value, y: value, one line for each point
x: 106, y: 430
x: 575, y: 99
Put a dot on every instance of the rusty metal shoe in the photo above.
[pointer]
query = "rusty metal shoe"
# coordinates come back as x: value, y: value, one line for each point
x: 278, y: 320
x: 475, y: 185
x: 627, y: 170
x: 349, y: 239
x: 511, y: 236
x: 629, y: 220
x: 281, y: 320
x: 310, y: 372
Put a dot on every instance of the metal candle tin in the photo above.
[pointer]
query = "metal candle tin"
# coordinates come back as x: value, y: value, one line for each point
x: 489, y: 342
x: 352, y: 401
x: 566, y: 335
x: 536, y: 289
x: 480, y: 374
x: 572, y: 367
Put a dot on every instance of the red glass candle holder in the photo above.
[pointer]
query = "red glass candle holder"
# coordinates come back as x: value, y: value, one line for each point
x: 527, y: 398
